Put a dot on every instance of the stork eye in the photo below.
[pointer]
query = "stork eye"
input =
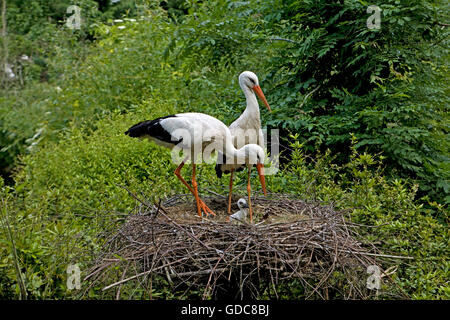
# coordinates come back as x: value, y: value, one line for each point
x: 253, y: 81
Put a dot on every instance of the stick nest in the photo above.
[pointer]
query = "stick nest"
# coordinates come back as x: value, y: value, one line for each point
x: 290, y: 241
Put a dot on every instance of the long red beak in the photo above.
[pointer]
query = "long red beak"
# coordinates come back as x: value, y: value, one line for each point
x: 260, y: 94
x: 260, y: 168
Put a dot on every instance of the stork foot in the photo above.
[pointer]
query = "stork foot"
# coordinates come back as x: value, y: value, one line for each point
x: 205, y: 208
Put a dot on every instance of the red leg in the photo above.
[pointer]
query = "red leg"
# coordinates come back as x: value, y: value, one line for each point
x: 205, y: 208
x: 194, y: 184
x: 249, y: 191
x: 231, y: 191
x: 200, y: 204
x: 177, y: 173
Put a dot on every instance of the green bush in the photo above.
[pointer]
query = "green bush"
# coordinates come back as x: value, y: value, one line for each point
x: 27, y: 120
x: 395, y: 223
x: 68, y: 195
x: 386, y: 86
x: 326, y: 76
x: 49, y: 94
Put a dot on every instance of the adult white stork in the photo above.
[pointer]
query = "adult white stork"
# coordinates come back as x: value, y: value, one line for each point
x: 194, y: 133
x: 245, y: 129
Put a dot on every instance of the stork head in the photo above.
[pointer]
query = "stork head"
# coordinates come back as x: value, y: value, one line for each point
x: 242, y: 204
x: 255, y: 155
x: 248, y: 79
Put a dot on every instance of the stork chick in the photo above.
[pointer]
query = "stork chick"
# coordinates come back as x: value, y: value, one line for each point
x: 241, y: 215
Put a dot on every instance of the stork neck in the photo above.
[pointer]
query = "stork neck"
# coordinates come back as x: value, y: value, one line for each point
x: 252, y: 102
x: 232, y: 152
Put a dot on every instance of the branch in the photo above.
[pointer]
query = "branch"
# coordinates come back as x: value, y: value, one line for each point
x: 5, y: 41
x: 307, y: 96
x: 442, y: 24
x: 283, y: 39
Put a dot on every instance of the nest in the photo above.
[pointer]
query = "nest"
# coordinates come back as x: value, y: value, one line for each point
x: 291, y: 240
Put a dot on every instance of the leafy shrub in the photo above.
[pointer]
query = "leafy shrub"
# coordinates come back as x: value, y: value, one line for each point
x: 326, y: 76
x: 386, y: 86
x: 69, y: 193
x: 329, y: 75
x: 395, y: 222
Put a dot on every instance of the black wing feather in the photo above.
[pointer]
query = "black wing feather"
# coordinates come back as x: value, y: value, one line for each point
x: 152, y: 128
x: 220, y: 171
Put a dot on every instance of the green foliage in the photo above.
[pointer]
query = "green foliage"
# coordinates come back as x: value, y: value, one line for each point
x: 367, y: 109
x: 36, y: 29
x: 42, y: 51
x: 69, y: 191
x: 395, y: 223
x: 386, y: 86
x: 329, y: 75
x: 71, y: 99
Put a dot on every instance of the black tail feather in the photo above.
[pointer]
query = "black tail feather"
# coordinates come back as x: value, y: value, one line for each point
x: 220, y: 171
x: 219, y: 165
x: 151, y: 128
x: 140, y: 129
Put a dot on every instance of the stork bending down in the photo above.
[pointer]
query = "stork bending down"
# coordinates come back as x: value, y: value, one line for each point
x: 196, y: 133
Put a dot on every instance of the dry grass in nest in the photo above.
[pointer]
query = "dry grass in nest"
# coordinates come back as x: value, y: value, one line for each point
x: 289, y: 240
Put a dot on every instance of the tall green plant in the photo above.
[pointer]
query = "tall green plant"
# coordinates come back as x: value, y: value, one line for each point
x: 334, y: 76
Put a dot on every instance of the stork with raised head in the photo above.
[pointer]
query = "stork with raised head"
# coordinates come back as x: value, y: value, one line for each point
x: 194, y: 133
x: 241, y: 215
x: 245, y: 129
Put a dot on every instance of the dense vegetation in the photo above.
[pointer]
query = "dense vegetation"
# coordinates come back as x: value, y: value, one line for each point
x: 363, y: 115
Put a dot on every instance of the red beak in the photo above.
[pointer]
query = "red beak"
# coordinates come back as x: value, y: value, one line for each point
x: 260, y: 168
x: 260, y: 94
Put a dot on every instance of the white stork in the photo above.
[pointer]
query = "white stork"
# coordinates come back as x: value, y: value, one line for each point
x: 195, y: 133
x: 245, y: 129
x: 242, y: 213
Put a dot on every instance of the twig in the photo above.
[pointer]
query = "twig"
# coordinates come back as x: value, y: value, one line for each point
x: 307, y: 241
x: 283, y: 39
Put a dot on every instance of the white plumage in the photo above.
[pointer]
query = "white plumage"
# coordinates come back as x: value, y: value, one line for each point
x: 249, y: 121
x: 241, y: 215
x: 245, y: 129
x: 195, y: 133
